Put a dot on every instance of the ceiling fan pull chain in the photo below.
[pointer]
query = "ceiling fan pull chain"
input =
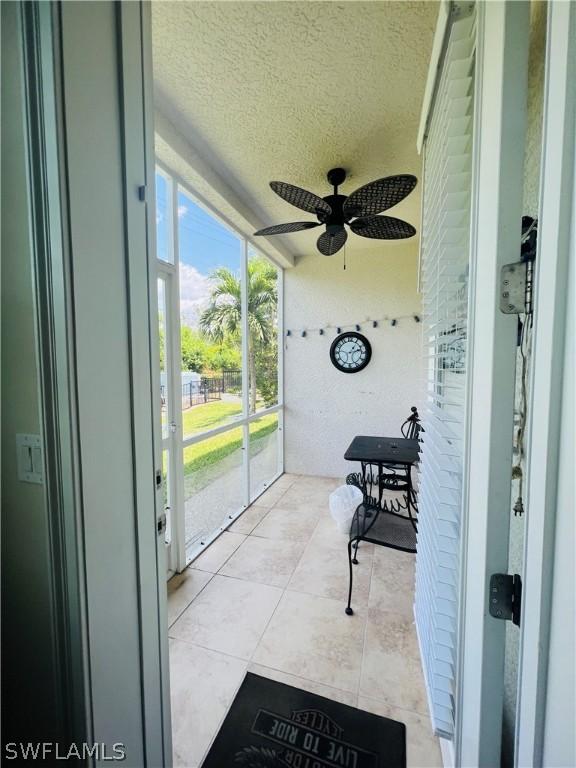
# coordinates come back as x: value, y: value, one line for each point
x: 344, y: 256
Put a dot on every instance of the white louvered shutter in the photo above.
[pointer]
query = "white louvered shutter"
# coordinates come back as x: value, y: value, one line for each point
x: 444, y: 285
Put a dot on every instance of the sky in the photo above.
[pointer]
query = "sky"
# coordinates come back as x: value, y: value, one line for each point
x: 204, y: 245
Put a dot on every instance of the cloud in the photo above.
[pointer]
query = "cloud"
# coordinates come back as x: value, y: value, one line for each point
x: 195, y: 289
x: 182, y: 211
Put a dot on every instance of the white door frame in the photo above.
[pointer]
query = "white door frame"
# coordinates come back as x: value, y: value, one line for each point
x: 169, y: 271
x: 555, y: 228
x: 175, y: 550
x: 500, y: 122
x: 157, y: 631
x: 134, y: 23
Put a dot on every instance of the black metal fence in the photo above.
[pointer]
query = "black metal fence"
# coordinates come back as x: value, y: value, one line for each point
x: 208, y: 388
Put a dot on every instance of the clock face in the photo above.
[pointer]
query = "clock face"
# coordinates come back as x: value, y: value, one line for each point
x: 350, y: 352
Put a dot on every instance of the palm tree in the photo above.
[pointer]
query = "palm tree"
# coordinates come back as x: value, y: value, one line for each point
x: 222, y: 319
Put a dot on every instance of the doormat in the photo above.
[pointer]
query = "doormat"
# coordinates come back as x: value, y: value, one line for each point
x: 272, y: 725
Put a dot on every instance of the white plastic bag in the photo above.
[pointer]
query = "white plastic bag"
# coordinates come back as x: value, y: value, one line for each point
x: 344, y: 501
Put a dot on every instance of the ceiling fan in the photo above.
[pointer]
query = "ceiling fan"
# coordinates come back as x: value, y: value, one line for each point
x: 358, y: 210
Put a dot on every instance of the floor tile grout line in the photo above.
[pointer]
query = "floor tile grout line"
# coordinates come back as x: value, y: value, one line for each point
x: 231, y: 553
x: 325, y: 597
x: 284, y: 590
x: 304, y: 551
x: 227, y: 529
x: 194, y: 644
x: 224, y: 716
x: 193, y: 599
x: 366, y: 626
x: 286, y: 587
x: 218, y: 573
x: 397, y: 706
x: 247, y: 581
x: 302, y: 677
x: 320, y: 597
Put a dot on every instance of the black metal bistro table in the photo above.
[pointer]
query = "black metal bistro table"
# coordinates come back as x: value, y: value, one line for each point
x: 386, y: 464
x: 384, y: 452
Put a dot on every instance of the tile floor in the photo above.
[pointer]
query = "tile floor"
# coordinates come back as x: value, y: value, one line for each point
x: 268, y: 596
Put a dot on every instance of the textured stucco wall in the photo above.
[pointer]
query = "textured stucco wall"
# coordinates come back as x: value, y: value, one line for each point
x: 325, y: 408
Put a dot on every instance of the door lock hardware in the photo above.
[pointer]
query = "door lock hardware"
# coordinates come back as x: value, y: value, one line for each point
x: 158, y: 478
x: 505, y: 597
x: 516, y: 280
x: 161, y: 523
x: 513, y: 289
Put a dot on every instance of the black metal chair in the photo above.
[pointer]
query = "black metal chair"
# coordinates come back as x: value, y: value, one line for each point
x: 383, y: 521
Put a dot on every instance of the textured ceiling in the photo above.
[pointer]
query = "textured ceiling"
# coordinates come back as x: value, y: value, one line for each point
x: 288, y: 90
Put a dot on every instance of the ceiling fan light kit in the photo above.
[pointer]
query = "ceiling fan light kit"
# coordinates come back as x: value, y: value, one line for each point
x: 359, y: 211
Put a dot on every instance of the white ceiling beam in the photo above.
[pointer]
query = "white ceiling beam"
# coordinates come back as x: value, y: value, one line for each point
x: 178, y: 153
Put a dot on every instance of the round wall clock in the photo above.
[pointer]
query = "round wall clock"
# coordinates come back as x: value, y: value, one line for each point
x: 350, y: 352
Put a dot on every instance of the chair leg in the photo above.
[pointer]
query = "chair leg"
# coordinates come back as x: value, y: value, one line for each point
x: 349, y: 610
x: 355, y: 560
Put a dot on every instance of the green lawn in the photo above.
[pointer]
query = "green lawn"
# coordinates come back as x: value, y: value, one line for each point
x: 201, y: 418
x: 209, y: 452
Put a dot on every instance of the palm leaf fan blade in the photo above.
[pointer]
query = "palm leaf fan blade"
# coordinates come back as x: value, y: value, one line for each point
x: 379, y: 195
x: 382, y: 228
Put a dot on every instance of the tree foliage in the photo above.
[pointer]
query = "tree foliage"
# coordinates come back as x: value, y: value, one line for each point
x: 202, y: 355
x: 221, y: 321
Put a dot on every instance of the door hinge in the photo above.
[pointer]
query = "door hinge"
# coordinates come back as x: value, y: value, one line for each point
x: 505, y: 598
x: 161, y: 523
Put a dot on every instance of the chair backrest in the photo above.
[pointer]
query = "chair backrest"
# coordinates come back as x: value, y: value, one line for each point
x: 412, y: 427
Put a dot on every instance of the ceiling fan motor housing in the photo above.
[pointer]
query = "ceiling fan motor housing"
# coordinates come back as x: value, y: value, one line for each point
x: 336, y: 216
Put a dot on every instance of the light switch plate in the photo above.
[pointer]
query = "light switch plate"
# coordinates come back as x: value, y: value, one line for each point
x: 29, y: 459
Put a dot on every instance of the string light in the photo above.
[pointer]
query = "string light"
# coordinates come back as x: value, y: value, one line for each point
x: 394, y: 322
